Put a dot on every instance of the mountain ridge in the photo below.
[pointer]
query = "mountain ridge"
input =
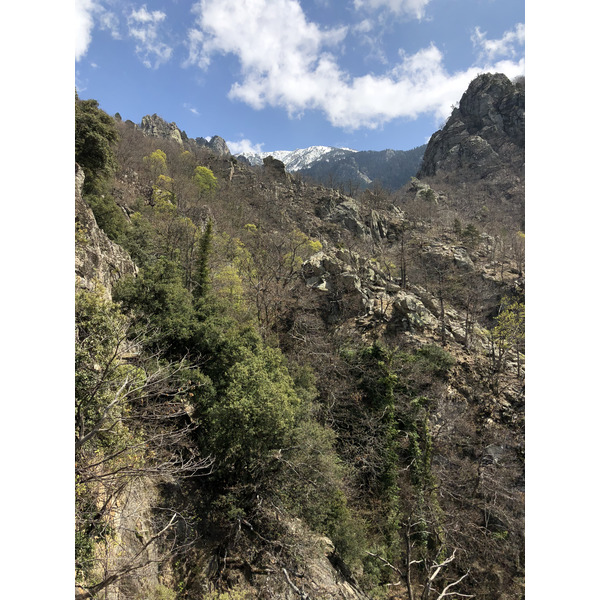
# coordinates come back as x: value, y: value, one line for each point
x: 294, y: 160
x: 345, y: 377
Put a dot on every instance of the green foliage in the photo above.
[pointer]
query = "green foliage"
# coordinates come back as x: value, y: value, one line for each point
x: 508, y: 335
x: 140, y: 240
x: 201, y: 271
x: 100, y: 330
x: 95, y: 137
x: 205, y: 181
x: 457, y: 227
x: 255, y: 411
x: 157, y: 295
x: 301, y: 248
x: 109, y: 216
x: 104, y: 385
x: 162, y: 190
x: 471, y: 236
x: 235, y: 593
x: 160, y: 592
x: 510, y: 324
x: 156, y: 163
x: 428, y: 195
x: 435, y: 360
x: 84, y: 555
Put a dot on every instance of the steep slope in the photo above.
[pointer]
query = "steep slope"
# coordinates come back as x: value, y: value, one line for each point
x: 97, y: 258
x: 477, y: 160
x: 400, y: 319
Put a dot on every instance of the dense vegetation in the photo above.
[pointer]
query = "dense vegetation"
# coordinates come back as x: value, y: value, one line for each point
x: 217, y: 379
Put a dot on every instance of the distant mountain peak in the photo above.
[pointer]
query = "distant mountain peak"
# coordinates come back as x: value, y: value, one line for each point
x: 294, y: 160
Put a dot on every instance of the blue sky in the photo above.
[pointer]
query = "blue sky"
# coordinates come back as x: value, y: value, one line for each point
x: 286, y: 74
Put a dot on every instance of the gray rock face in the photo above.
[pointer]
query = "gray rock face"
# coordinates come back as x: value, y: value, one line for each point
x: 155, y: 126
x: 371, y: 297
x: 345, y: 212
x: 485, y: 133
x: 97, y: 258
x: 275, y: 167
x: 218, y: 146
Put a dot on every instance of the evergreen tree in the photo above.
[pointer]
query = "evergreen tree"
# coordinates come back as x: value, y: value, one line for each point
x: 95, y: 136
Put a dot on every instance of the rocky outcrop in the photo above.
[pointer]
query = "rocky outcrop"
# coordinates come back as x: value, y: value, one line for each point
x: 343, y: 211
x: 275, y: 168
x: 97, y: 258
x: 484, y: 134
x: 155, y: 126
x: 362, y: 291
x: 216, y: 144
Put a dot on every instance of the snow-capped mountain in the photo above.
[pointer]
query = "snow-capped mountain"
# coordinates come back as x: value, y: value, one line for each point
x: 346, y: 168
x: 295, y: 160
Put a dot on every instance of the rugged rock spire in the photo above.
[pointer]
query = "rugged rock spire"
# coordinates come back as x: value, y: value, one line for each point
x: 155, y: 126
x: 485, y: 133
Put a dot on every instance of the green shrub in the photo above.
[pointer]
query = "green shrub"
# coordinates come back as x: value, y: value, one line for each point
x: 109, y: 216
x: 95, y: 137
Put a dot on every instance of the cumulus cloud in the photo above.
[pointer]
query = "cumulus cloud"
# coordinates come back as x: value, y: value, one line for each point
x: 507, y: 46
x: 88, y: 14
x: 287, y: 61
x: 143, y: 27
x: 84, y: 23
x: 244, y: 145
x: 406, y: 8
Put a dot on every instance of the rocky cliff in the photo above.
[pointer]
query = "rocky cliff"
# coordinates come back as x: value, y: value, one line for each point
x: 484, y: 134
x: 97, y: 258
x: 155, y: 126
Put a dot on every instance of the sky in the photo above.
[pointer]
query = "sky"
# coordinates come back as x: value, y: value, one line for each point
x: 36, y: 232
x: 285, y: 74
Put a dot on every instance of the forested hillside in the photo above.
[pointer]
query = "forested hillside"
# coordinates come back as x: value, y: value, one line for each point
x: 285, y: 392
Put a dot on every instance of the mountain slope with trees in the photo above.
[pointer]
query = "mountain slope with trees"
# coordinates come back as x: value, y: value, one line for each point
x: 284, y: 391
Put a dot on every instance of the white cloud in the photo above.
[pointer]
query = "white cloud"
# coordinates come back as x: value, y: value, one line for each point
x: 244, y: 145
x: 364, y: 26
x: 143, y: 27
x: 88, y: 14
x: 84, y: 23
x: 286, y: 62
x: 109, y: 21
x: 195, y: 39
x: 507, y: 46
x: 406, y: 8
x: 189, y: 107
